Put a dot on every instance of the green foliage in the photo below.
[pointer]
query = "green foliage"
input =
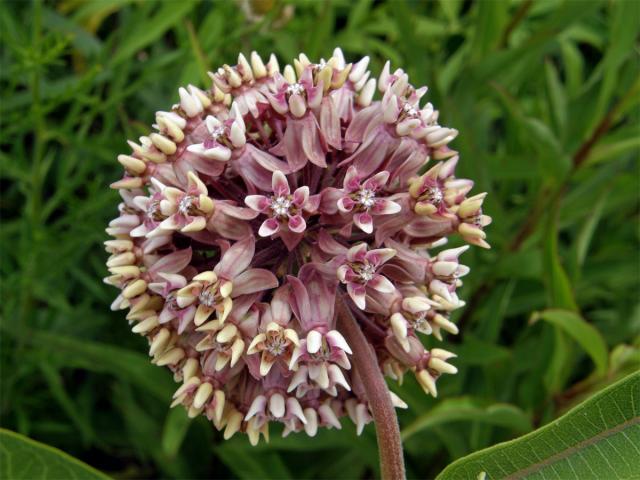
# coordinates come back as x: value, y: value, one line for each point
x: 545, y: 95
x: 23, y: 459
x: 598, y: 439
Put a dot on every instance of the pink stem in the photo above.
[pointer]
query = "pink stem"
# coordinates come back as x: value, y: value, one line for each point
x: 384, y: 415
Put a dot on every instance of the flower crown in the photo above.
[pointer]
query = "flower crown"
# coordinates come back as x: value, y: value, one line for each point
x: 256, y: 205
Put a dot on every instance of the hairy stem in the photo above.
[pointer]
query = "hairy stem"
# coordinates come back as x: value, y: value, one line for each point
x: 384, y: 415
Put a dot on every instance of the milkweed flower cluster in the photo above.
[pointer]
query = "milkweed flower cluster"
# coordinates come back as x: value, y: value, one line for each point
x: 255, y: 204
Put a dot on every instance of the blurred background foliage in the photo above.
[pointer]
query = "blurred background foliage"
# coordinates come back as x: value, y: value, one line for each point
x: 545, y: 95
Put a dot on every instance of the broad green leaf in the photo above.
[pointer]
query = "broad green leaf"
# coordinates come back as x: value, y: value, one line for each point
x: 585, y: 334
x: 597, y: 439
x: 469, y: 410
x: 24, y: 459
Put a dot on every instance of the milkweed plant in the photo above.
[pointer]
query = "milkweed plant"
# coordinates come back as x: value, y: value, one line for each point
x: 280, y: 243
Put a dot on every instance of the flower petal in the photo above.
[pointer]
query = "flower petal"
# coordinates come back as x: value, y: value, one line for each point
x: 236, y: 259
x: 299, y: 301
x: 253, y: 280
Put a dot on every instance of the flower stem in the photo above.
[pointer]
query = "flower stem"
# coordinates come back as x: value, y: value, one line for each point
x: 384, y: 415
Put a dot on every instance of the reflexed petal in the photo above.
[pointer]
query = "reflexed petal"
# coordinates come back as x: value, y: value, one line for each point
x: 236, y: 259
x: 300, y: 302
x: 174, y: 262
x: 253, y: 280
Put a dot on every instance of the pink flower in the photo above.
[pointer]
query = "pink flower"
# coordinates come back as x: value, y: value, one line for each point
x: 186, y: 211
x: 283, y: 207
x: 362, y: 198
x: 234, y: 240
x: 213, y: 291
x: 359, y: 271
x: 275, y: 342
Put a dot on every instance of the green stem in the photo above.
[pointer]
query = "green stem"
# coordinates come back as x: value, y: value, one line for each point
x: 384, y: 415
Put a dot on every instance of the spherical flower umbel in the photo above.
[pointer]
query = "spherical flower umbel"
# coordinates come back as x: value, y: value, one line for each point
x: 260, y: 203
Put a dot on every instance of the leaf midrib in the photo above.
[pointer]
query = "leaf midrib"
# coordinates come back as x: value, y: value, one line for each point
x: 575, y: 448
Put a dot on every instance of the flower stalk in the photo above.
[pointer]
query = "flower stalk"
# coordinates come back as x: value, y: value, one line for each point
x: 384, y: 416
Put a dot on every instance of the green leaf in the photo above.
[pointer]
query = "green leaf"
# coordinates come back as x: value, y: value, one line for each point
x: 175, y: 429
x: 469, y: 410
x: 557, y: 97
x: 597, y: 439
x: 558, y: 285
x: 560, y: 364
x: 167, y: 16
x: 588, y: 229
x: 585, y: 334
x: 490, y: 20
x: 98, y: 357
x: 23, y: 458
x: 247, y: 464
